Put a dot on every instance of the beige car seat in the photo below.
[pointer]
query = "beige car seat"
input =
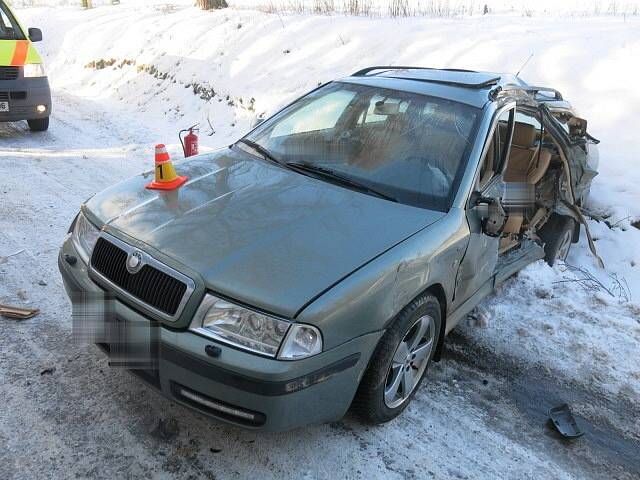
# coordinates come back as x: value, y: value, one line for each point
x: 528, y: 162
x: 384, y: 140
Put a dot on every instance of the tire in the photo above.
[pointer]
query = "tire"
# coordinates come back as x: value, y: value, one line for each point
x: 39, y: 124
x: 374, y: 401
x: 557, y: 236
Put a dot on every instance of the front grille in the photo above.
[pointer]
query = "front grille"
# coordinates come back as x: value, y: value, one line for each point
x: 150, y: 285
x: 13, y: 95
x: 9, y: 73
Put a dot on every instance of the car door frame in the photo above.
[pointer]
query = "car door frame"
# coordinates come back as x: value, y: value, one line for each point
x: 470, y: 282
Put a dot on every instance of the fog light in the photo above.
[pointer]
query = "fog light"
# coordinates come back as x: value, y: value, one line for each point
x: 41, y: 108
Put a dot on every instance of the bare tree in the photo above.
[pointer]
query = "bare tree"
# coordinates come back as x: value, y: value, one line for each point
x: 211, y: 4
x: 86, y: 4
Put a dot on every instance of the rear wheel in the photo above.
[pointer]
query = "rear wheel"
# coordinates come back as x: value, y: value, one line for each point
x: 557, y: 235
x: 399, y: 362
x: 39, y: 124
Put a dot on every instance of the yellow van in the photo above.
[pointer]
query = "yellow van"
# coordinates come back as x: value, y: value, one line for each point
x: 24, y: 87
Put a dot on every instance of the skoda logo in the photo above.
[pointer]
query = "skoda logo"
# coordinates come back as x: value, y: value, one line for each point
x: 134, y: 261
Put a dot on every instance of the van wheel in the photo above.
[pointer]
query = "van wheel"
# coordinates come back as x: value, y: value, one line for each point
x: 399, y: 362
x: 557, y: 235
x: 39, y: 124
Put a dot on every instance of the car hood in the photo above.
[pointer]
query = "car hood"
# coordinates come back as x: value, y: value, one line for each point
x: 256, y: 232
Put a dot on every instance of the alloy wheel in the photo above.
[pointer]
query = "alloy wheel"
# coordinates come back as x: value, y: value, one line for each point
x: 409, y: 361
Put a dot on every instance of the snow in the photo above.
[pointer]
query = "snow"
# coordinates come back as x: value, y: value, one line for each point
x: 435, y: 8
x: 540, y: 336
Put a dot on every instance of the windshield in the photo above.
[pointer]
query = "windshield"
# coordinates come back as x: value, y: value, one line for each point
x: 409, y: 147
x: 9, y: 29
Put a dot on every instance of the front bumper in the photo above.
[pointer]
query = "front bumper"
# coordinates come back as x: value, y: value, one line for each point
x: 236, y: 386
x: 24, y: 95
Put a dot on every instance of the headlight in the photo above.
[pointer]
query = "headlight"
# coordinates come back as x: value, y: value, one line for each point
x: 256, y: 332
x: 34, y: 70
x: 302, y: 341
x: 84, y: 237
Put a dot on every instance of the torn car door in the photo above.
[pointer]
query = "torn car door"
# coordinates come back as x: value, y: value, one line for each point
x: 478, y: 265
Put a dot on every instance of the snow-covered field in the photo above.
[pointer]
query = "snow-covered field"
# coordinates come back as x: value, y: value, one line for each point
x: 130, y: 76
x: 404, y: 8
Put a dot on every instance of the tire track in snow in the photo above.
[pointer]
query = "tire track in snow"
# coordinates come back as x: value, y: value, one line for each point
x: 530, y: 391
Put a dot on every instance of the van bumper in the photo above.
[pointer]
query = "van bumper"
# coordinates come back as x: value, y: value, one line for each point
x: 24, y: 95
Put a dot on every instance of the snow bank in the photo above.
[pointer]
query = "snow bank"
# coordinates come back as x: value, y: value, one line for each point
x: 434, y: 8
x: 177, y: 66
x: 242, y: 63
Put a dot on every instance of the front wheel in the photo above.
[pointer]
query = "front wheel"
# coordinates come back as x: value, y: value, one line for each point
x: 38, y: 124
x: 557, y: 235
x: 399, y: 362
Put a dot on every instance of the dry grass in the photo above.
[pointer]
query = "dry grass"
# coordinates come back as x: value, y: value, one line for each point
x: 321, y: 7
x: 402, y: 8
x: 429, y: 8
x: 618, y: 288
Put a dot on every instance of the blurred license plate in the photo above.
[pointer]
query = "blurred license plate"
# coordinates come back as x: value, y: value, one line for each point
x: 133, y: 344
x: 4, y: 106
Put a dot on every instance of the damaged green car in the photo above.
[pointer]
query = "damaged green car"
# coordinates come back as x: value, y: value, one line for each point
x: 317, y: 264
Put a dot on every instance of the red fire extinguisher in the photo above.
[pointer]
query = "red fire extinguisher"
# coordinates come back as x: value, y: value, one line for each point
x: 190, y: 141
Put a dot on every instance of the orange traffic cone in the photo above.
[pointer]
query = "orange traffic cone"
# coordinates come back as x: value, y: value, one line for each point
x: 166, y: 177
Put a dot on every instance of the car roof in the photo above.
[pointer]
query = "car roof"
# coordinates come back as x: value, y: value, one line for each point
x: 465, y: 86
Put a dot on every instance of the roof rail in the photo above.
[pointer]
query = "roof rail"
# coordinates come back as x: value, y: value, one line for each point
x: 487, y: 83
x: 476, y: 86
x: 493, y: 94
x: 365, y: 71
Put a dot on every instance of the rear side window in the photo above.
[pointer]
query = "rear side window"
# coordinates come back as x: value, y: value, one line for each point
x: 9, y: 28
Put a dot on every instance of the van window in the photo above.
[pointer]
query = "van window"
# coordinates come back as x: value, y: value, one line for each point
x: 9, y: 28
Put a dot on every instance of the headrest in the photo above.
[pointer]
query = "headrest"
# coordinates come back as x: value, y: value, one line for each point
x: 524, y: 134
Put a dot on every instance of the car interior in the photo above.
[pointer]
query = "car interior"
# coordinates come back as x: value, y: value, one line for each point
x: 531, y: 171
x: 411, y: 145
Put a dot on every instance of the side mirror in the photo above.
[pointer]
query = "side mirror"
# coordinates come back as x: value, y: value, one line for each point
x: 35, y: 34
x: 492, y: 216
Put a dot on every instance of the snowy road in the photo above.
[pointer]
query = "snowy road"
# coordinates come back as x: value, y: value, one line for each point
x: 480, y: 414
